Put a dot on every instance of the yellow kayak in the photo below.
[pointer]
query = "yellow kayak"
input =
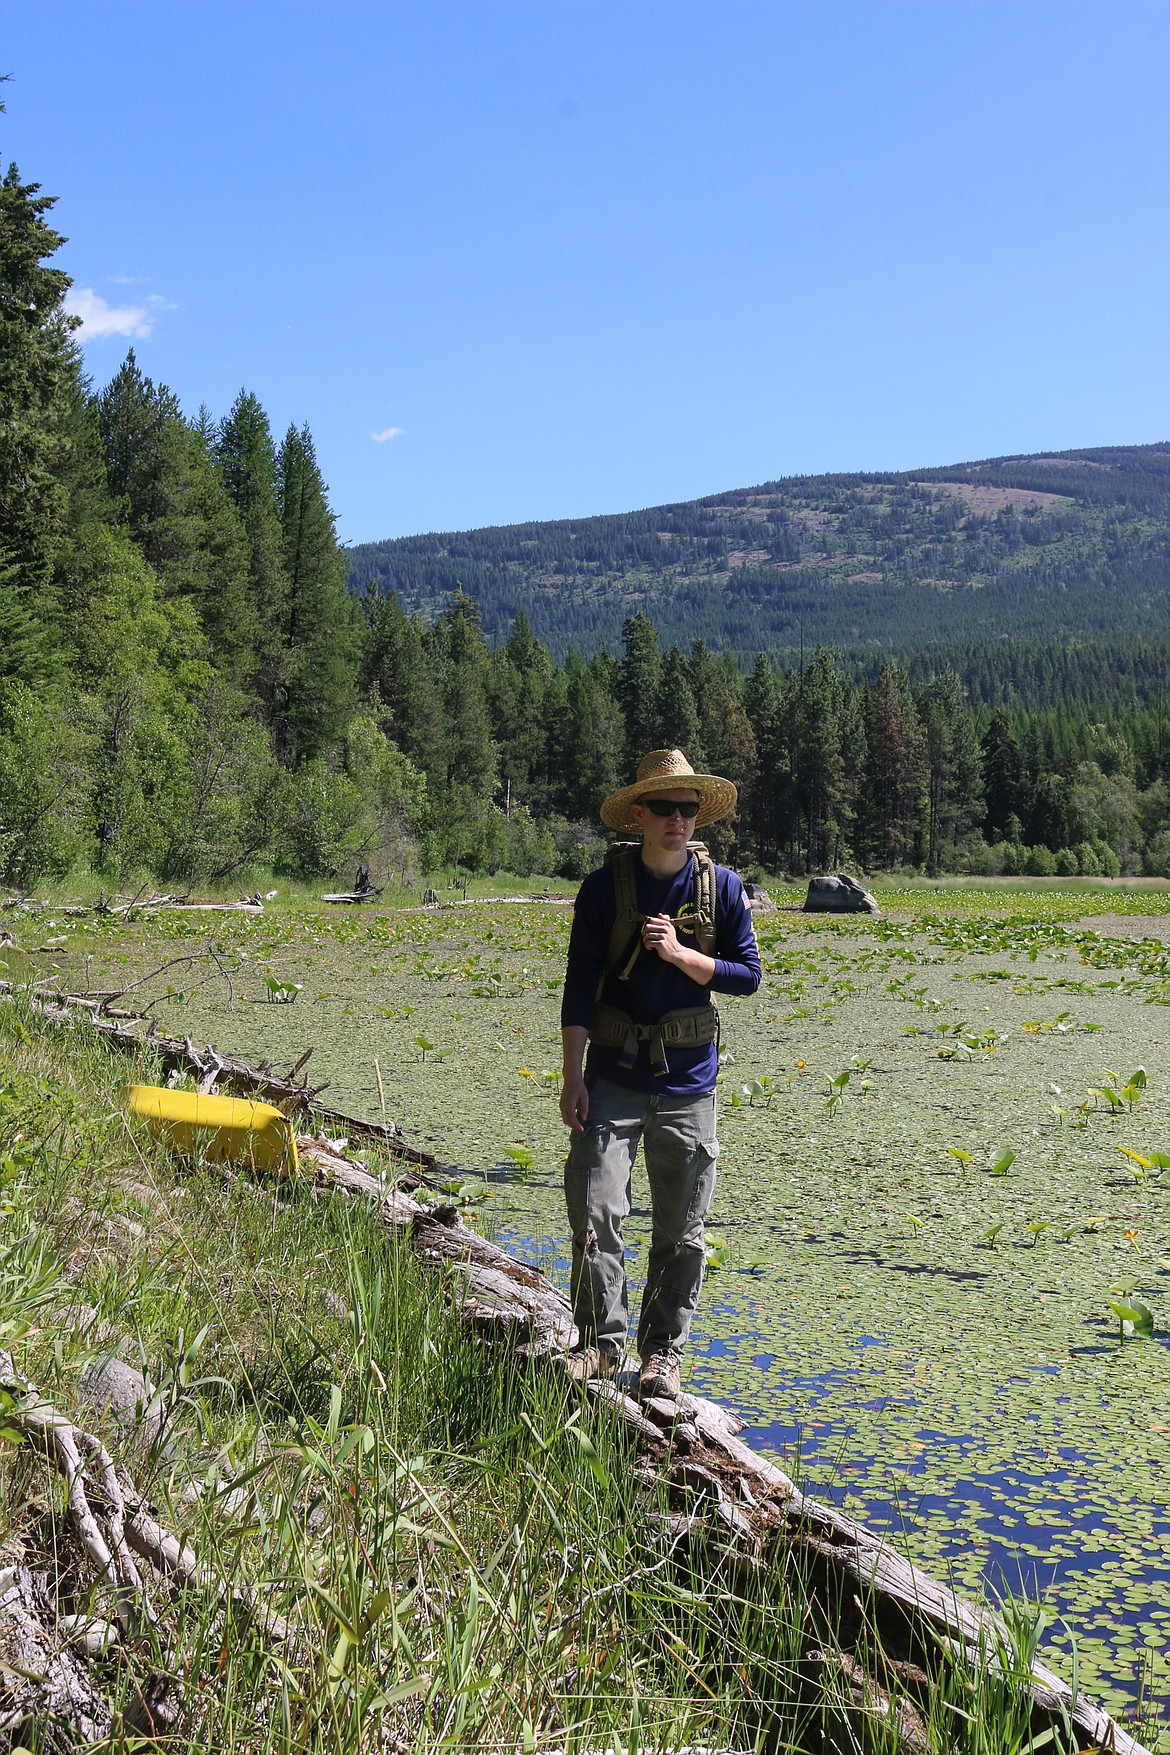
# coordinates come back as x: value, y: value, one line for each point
x: 235, y: 1128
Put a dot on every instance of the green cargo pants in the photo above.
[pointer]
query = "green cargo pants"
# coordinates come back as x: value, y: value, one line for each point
x: 680, y: 1149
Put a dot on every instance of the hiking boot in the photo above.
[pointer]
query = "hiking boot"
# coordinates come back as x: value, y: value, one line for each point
x: 660, y: 1376
x: 592, y: 1362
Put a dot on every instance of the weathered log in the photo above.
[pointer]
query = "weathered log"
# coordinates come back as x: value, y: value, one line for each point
x: 46, y: 1694
x: 520, y: 1301
x: 251, y: 905
x: 209, y: 1067
x: 847, y: 1688
x: 62, y: 1444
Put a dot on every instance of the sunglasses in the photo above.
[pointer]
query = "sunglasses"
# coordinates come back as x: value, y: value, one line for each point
x: 666, y: 807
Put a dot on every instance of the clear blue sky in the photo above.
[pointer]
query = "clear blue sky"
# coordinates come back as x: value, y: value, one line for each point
x: 587, y: 255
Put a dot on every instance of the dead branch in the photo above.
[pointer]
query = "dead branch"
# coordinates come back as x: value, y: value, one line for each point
x: 62, y: 1443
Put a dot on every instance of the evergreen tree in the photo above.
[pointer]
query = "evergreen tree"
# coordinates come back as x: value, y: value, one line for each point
x: 896, y: 770
x: 767, y: 801
x: 164, y: 471
x: 640, y: 679
x: 27, y: 649
x: 822, y: 794
x: 247, y: 463
x: 37, y: 365
x: 319, y: 632
x: 521, y: 676
x: 726, y: 739
x: 470, y: 756
x: 677, y: 717
x: 1002, y: 776
x: 955, y: 769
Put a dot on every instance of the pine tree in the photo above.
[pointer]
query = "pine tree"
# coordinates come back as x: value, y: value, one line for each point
x: 247, y: 463
x: 26, y: 643
x: 823, y: 796
x: 521, y: 676
x: 37, y: 364
x: 725, y: 733
x: 766, y: 803
x: 1002, y: 776
x: 319, y: 633
x: 896, y: 771
x: 677, y: 718
x: 464, y: 663
x: 639, y: 682
x: 955, y: 769
x: 163, y: 469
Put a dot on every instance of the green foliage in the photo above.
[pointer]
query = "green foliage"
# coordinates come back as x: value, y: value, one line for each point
x: 43, y: 763
x: 37, y: 362
x: 315, y: 695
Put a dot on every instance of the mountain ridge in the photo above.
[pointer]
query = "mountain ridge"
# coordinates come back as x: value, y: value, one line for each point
x: 1027, y: 545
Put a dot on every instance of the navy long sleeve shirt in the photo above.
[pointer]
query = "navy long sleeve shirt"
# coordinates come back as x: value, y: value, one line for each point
x: 655, y: 987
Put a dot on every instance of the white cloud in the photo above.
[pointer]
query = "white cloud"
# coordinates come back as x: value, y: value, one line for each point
x: 387, y: 433
x: 99, y: 318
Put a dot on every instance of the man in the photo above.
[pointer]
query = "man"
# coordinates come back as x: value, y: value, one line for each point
x: 656, y: 931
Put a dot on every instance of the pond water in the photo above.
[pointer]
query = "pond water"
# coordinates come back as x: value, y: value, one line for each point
x: 913, y: 1318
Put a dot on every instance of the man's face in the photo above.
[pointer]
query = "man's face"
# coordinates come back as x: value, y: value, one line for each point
x: 665, y: 834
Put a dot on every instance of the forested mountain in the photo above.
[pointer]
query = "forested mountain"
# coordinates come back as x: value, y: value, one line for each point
x: 189, y: 693
x: 1077, y: 542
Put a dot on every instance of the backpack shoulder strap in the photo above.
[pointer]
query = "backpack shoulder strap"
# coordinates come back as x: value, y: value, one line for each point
x: 626, y: 920
x: 704, y: 898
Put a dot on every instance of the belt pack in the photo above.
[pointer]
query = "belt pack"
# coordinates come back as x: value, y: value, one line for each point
x: 692, y: 1026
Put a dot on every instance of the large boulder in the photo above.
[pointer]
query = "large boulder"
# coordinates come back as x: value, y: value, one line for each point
x: 839, y: 894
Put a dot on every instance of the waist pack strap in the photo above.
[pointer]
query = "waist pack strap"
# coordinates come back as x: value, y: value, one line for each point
x: 692, y: 1026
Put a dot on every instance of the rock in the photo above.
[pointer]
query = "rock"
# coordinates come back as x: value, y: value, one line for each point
x: 77, y: 1320
x: 839, y: 894
x: 110, y: 1386
x: 88, y: 1633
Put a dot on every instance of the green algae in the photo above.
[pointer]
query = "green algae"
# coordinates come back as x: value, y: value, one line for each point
x: 928, y: 1340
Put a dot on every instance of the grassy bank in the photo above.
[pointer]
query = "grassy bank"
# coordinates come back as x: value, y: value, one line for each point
x: 467, y: 1559
x: 465, y: 1556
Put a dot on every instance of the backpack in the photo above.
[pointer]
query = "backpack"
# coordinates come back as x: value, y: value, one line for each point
x: 626, y: 933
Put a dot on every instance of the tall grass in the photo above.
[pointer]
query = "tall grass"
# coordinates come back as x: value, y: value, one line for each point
x: 465, y: 1552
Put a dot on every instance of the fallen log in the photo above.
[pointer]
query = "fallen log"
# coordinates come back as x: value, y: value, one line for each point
x: 46, y: 1692
x: 862, y: 1578
x: 211, y: 1069
x: 251, y: 905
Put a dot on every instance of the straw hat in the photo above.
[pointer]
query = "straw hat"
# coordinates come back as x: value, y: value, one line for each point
x: 669, y: 771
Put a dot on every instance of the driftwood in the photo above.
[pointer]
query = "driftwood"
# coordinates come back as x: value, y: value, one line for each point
x: 247, y: 905
x: 212, y: 1070
x: 865, y: 1587
x: 46, y: 1688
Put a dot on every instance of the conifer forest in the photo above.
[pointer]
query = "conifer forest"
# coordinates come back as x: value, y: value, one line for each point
x: 198, y: 682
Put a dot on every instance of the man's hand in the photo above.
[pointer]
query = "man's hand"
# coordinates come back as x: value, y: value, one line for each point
x: 659, y: 935
x: 574, y: 1091
x: 575, y: 1103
